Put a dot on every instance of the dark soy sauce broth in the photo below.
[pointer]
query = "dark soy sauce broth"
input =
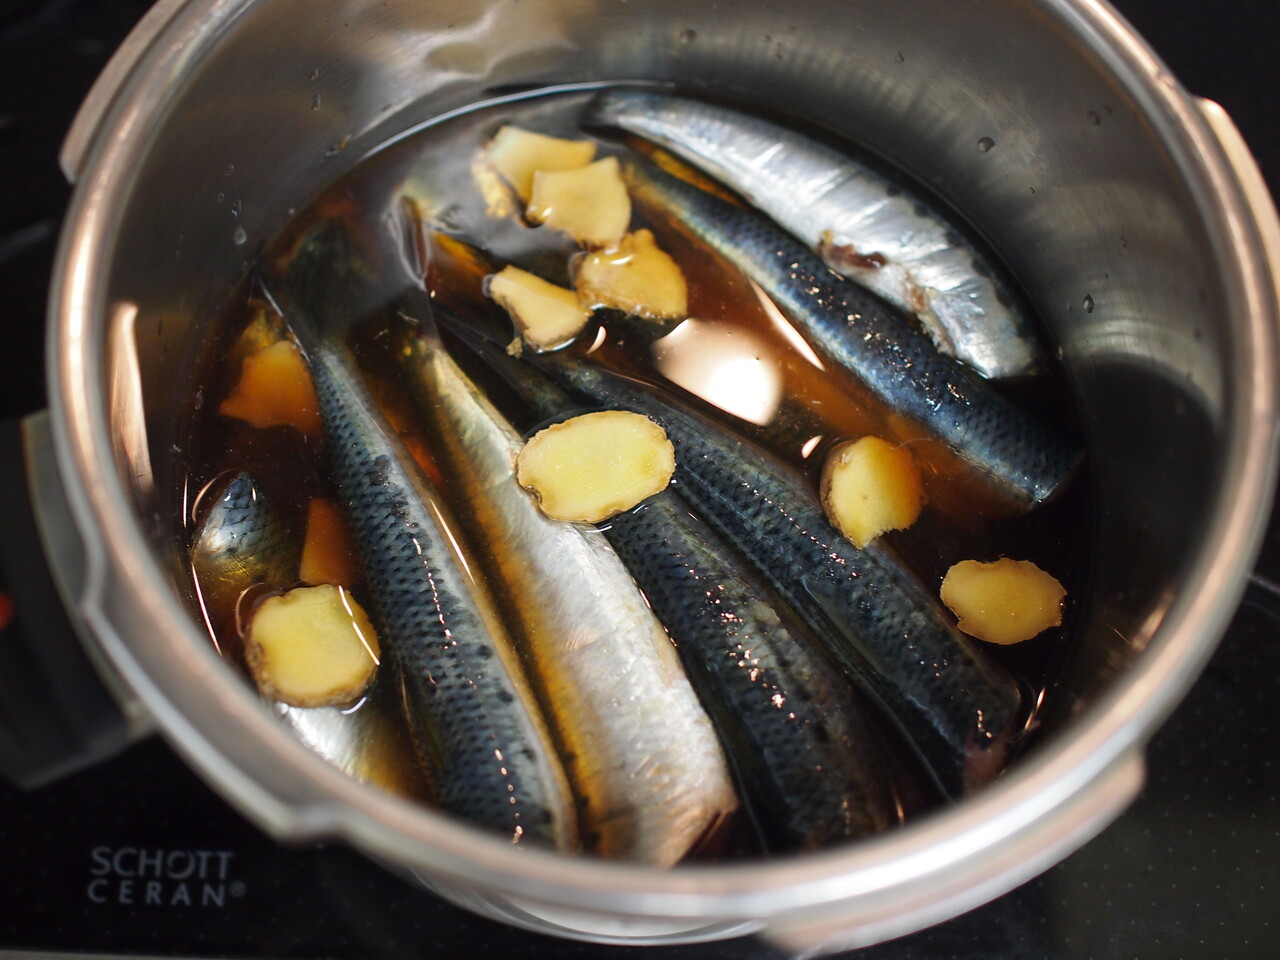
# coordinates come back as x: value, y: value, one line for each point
x: 789, y: 404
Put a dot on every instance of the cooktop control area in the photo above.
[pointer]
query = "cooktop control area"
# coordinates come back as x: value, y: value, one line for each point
x: 138, y: 857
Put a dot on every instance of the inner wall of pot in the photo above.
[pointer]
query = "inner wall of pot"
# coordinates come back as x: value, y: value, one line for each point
x: 993, y: 106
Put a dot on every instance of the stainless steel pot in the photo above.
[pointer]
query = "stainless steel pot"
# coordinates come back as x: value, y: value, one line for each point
x: 1130, y: 211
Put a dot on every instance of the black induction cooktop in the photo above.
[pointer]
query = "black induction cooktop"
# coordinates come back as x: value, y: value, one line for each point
x: 138, y: 857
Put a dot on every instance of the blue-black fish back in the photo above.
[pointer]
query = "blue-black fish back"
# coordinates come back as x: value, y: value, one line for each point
x: 481, y: 742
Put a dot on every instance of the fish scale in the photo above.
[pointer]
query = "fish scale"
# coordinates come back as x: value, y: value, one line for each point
x: 242, y: 542
x: 892, y: 356
x: 955, y: 707
x: 475, y: 725
x: 810, y: 767
x: 641, y: 754
x: 485, y: 754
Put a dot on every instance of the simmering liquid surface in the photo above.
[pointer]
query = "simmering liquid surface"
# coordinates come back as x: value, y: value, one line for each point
x: 736, y: 360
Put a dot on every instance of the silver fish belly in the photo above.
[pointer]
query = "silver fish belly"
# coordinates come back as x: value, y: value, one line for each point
x: 865, y: 226
x: 642, y: 757
x: 367, y: 740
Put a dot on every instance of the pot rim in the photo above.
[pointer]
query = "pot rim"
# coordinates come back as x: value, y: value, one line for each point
x: 294, y: 794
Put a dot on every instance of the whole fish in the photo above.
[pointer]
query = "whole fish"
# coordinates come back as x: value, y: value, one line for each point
x: 642, y: 757
x: 1022, y: 458
x: 864, y: 225
x: 957, y: 709
x: 475, y: 723
x: 808, y: 768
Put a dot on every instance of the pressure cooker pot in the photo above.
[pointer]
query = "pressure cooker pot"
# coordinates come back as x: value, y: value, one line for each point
x: 1129, y: 212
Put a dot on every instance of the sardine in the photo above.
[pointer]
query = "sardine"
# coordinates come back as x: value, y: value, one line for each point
x: 1022, y: 458
x: 865, y: 226
x: 807, y: 766
x: 642, y: 757
x: 958, y: 710
x: 475, y: 723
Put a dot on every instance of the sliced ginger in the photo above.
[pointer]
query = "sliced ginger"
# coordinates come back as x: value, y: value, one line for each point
x: 518, y: 154
x: 546, y: 315
x: 590, y: 203
x: 275, y: 389
x: 312, y: 647
x: 633, y: 275
x: 501, y: 202
x: 594, y: 466
x: 328, y: 552
x: 870, y: 486
x: 1004, y: 602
